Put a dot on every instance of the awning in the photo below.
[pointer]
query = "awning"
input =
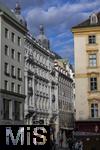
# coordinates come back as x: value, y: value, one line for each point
x: 85, y: 134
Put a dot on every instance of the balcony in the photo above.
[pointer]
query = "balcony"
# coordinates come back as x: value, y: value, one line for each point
x: 30, y: 90
x: 31, y: 109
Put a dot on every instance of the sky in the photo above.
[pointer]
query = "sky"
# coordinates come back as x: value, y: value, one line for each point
x: 58, y: 17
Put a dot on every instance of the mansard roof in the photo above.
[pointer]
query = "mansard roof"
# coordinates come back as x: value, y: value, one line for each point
x: 87, y: 23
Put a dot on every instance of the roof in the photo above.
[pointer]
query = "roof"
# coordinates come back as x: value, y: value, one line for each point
x: 57, y: 56
x: 87, y: 23
x: 9, y: 13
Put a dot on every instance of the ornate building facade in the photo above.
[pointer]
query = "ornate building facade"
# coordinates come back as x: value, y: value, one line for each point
x: 40, y: 87
x: 65, y: 101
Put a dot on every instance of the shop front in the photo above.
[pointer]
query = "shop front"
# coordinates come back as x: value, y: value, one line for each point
x: 89, y: 133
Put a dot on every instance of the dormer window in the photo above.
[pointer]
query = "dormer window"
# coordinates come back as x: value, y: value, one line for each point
x: 93, y: 19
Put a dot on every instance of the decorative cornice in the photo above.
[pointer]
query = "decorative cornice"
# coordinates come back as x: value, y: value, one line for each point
x: 86, y: 75
x: 12, y: 93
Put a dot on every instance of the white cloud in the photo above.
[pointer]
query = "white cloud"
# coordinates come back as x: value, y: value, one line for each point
x: 57, y: 15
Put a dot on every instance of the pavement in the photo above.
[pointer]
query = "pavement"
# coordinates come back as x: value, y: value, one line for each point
x: 62, y: 148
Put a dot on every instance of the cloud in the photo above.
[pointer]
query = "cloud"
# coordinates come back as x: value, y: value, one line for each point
x: 65, y: 15
x: 58, y: 16
x: 58, y: 20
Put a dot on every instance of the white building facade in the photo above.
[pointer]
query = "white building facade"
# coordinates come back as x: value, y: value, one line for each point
x: 12, y: 96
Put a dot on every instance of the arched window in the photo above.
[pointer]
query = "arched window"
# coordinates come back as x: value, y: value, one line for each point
x: 94, y: 19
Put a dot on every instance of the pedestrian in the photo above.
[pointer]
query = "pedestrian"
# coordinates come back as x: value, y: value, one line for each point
x: 77, y: 145
x: 80, y: 145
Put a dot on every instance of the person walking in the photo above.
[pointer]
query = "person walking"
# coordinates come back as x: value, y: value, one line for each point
x: 79, y: 145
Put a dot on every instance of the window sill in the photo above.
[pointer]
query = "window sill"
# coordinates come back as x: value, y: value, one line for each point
x: 91, y: 44
x: 7, y: 119
x: 90, y: 67
x: 20, y: 79
x: 13, y: 76
x: 94, y: 118
x: 95, y: 91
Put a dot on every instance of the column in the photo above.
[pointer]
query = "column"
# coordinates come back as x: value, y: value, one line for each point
x: 50, y: 102
x: 33, y: 96
x: 57, y: 118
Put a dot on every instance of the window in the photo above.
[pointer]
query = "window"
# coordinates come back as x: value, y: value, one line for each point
x: 94, y: 110
x: 7, y: 109
x: 93, y: 83
x: 13, y: 71
x: 19, y: 57
x: 13, y: 87
x: 19, y: 41
x: 92, y: 39
x: 18, y: 110
x: 94, y: 19
x: 19, y: 73
x: 12, y: 37
x: 6, y: 50
x: 6, y: 85
x: 92, y: 60
x: 19, y: 89
x: 6, y: 69
x: 6, y: 33
x: 12, y: 53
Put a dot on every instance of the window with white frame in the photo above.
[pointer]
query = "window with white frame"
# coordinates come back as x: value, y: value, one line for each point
x: 6, y: 68
x: 93, y: 83
x: 92, y: 60
x: 7, y: 109
x: 94, y: 110
x: 12, y: 37
x: 6, y: 85
x: 19, y: 73
x: 6, y: 50
x: 19, y: 57
x: 19, y: 89
x: 91, y: 39
x: 19, y: 41
x: 13, y: 87
x: 12, y: 53
x: 6, y: 33
x: 18, y: 110
x: 13, y: 71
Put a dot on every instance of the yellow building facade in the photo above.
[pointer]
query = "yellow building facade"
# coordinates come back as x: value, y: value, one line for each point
x: 87, y: 71
x: 87, y: 74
